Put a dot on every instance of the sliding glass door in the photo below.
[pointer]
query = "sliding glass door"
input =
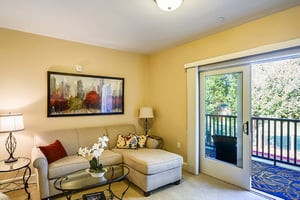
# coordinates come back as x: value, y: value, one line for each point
x: 224, y: 125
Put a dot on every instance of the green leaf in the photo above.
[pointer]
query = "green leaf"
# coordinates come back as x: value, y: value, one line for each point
x: 93, y: 163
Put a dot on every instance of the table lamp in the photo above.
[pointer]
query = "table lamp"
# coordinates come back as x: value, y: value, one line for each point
x: 146, y: 113
x: 10, y: 123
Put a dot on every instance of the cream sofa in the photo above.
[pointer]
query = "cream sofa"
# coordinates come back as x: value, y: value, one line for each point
x: 150, y: 168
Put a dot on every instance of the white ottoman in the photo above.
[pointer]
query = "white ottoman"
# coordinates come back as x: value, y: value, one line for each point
x: 152, y: 168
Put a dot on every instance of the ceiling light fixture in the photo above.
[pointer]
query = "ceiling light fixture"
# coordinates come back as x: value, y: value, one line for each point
x: 168, y: 5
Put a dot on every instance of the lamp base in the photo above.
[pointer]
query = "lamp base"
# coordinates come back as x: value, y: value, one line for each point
x: 11, y: 160
x: 11, y: 144
x: 146, y: 126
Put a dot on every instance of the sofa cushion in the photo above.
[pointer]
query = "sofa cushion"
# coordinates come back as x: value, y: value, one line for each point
x: 109, y: 157
x: 67, y: 165
x: 67, y: 137
x: 127, y: 142
x: 142, y: 139
x: 152, y: 143
x: 150, y: 161
x: 54, y: 151
x: 87, y: 137
x: 115, y: 130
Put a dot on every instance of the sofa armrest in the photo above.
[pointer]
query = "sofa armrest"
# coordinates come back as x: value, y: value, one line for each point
x: 39, y: 159
x: 40, y: 162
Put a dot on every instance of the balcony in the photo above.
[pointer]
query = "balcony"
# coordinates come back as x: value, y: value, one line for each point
x: 277, y: 140
x: 273, y: 139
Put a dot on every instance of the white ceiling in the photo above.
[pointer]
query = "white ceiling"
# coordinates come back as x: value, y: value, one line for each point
x: 132, y: 25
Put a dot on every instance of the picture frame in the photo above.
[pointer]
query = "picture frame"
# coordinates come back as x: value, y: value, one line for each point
x: 94, y: 196
x: 81, y: 94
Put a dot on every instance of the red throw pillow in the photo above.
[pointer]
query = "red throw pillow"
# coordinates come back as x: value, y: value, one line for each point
x: 53, y: 151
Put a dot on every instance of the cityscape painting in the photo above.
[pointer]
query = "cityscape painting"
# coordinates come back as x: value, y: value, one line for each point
x: 79, y: 94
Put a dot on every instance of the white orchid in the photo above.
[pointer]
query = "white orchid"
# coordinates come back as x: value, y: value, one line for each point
x: 103, y: 141
x: 83, y: 151
x: 97, y: 152
x: 94, y: 153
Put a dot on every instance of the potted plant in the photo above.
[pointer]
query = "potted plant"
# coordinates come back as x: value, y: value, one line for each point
x: 93, y: 155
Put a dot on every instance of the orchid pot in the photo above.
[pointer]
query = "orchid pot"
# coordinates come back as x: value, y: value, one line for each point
x: 96, y: 168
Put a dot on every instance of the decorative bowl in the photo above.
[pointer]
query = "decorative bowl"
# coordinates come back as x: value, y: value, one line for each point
x: 95, y: 174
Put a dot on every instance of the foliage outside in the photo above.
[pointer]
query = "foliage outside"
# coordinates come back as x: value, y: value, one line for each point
x: 276, y: 89
x: 221, y: 94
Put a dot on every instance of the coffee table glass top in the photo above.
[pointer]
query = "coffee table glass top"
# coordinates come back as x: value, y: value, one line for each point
x: 81, y: 180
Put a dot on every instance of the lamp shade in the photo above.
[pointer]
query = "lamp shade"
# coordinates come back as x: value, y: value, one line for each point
x: 146, y: 112
x: 168, y: 5
x: 11, y: 123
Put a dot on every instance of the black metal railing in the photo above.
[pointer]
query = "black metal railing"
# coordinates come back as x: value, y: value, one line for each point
x: 273, y: 139
x: 219, y: 125
x: 276, y: 139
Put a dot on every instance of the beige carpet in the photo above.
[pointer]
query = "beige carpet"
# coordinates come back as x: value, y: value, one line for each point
x: 192, y: 187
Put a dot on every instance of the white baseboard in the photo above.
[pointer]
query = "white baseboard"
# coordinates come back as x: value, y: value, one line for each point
x: 19, y: 178
x: 185, y: 166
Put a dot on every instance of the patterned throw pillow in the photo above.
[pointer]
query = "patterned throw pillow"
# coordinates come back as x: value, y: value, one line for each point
x: 142, y: 139
x: 127, y: 142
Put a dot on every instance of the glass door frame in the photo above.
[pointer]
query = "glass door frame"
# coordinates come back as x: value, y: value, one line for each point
x: 240, y: 176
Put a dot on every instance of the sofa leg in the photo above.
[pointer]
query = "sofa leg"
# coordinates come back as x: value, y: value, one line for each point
x: 147, y: 194
x: 177, y: 182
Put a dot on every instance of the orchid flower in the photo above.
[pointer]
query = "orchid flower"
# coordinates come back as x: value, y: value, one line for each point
x: 83, y: 151
x: 95, y: 152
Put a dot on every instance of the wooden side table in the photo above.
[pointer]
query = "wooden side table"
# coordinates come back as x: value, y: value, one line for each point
x: 21, y: 163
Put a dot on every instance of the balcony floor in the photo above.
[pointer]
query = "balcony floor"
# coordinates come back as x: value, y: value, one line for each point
x: 275, y: 180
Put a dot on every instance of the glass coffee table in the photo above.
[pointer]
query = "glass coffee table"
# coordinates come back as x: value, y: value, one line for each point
x: 82, y: 180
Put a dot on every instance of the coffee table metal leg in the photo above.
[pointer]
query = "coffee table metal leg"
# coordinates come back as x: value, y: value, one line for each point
x: 68, y: 195
x: 112, y: 194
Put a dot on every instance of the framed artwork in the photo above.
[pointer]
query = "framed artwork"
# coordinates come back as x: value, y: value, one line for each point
x: 94, y: 196
x: 79, y: 94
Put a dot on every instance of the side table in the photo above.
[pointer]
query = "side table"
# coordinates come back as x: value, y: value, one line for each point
x: 21, y: 163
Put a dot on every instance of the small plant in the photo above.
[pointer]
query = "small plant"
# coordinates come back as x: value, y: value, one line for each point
x: 93, y: 154
x: 96, y: 166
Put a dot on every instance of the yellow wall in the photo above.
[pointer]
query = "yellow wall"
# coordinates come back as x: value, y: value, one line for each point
x: 158, y: 80
x: 168, y: 77
x: 24, y: 62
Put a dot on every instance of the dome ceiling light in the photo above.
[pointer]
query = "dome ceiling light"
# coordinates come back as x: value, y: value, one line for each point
x: 168, y: 5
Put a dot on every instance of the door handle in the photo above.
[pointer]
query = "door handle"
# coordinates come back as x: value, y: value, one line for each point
x: 246, y: 127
